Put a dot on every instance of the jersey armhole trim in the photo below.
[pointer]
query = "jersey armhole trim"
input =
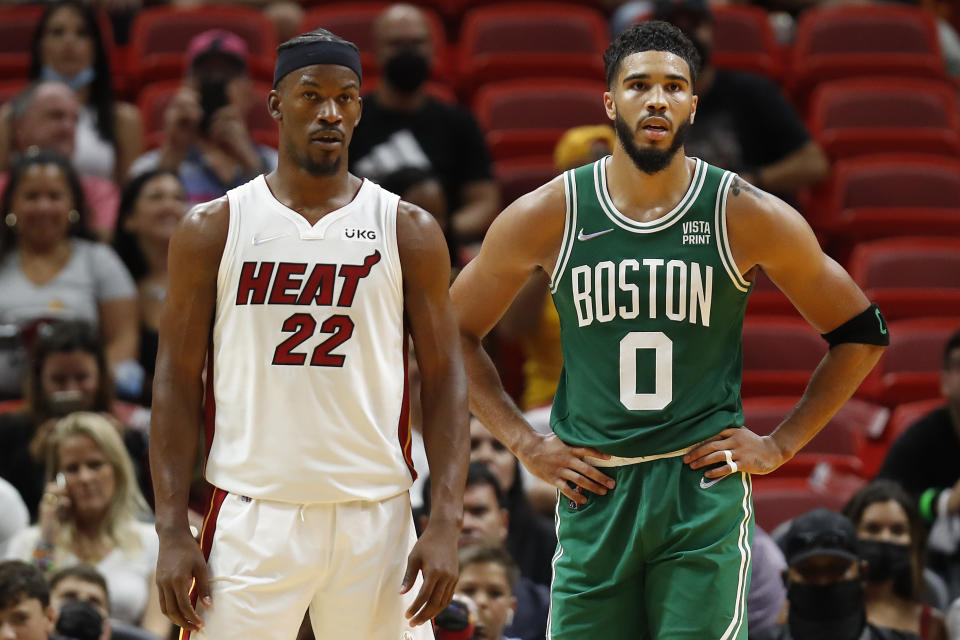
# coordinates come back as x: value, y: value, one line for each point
x: 723, y: 242
x: 229, y: 247
x: 569, y: 224
x: 390, y: 221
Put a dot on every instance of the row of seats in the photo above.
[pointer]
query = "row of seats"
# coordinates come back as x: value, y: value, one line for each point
x: 538, y: 39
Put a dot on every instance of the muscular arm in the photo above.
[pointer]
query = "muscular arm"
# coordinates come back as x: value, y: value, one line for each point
x: 195, y: 252
x: 767, y: 233
x: 526, y: 235
x: 426, y: 277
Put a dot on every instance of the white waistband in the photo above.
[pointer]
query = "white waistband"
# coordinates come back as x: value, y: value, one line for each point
x: 617, y: 461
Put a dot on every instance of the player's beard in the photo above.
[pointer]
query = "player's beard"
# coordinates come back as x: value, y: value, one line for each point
x: 316, y: 168
x: 649, y: 160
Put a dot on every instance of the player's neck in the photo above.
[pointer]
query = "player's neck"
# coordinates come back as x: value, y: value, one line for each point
x: 643, y: 196
x: 312, y: 196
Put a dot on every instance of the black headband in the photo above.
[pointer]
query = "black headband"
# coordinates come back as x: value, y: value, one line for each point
x: 317, y: 52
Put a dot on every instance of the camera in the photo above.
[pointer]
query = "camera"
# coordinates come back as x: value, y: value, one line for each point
x: 78, y: 620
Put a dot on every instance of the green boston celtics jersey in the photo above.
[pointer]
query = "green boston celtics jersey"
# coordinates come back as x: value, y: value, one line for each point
x: 651, y: 317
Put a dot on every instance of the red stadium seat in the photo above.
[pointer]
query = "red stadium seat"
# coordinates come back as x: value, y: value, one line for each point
x: 902, y: 417
x: 779, y: 355
x: 891, y: 195
x: 777, y: 502
x: 856, y: 41
x: 527, y: 117
x: 910, y: 368
x: 501, y: 42
x: 354, y: 22
x: 744, y: 40
x: 885, y: 115
x: 160, y: 35
x: 154, y: 99
x: 520, y: 175
x: 910, y: 277
x: 767, y: 300
x: 17, y: 27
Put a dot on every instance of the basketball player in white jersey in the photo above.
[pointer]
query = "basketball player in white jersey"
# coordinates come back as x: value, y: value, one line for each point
x: 286, y: 324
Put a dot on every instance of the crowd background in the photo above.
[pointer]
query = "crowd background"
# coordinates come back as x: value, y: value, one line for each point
x: 117, y: 115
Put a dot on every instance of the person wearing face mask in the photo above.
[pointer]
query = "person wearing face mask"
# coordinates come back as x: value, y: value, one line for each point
x: 744, y: 123
x: 891, y: 540
x: 68, y: 47
x: 403, y: 126
x: 824, y: 579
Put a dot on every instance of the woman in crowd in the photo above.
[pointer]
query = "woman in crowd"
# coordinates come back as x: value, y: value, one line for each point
x: 891, y: 540
x: 68, y: 372
x: 50, y: 269
x: 68, y: 47
x: 88, y: 515
x: 152, y: 205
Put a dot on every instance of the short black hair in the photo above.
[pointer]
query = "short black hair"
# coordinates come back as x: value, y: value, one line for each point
x: 20, y: 581
x: 655, y: 35
x: 478, y: 474
x: 84, y: 573
x: 952, y: 344
x: 317, y: 35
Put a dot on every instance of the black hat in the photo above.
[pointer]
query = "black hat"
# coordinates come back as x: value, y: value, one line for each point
x: 820, y: 532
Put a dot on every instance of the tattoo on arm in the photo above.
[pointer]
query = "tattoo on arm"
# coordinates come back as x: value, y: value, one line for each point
x: 740, y: 184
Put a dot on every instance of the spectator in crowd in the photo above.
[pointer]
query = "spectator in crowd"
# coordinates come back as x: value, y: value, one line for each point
x: 531, y: 539
x: 420, y: 187
x: 152, y: 206
x: 892, y: 541
x: 45, y: 116
x: 68, y: 47
x: 487, y: 576
x: 485, y: 523
x: 25, y: 611
x: 953, y: 620
x: 49, y: 268
x: 767, y: 594
x: 15, y: 515
x: 68, y: 372
x: 88, y: 514
x: 206, y: 139
x: 744, y: 123
x: 403, y: 126
x: 81, y: 583
x: 824, y: 583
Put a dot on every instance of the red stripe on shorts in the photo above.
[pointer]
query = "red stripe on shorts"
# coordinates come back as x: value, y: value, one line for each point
x: 206, y: 541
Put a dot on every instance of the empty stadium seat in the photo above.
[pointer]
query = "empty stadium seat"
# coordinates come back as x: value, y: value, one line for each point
x: 779, y: 355
x: 528, y: 117
x: 891, y: 195
x: 910, y: 277
x: 500, y: 42
x: 354, y: 22
x: 744, y: 40
x: 856, y: 41
x: 902, y: 417
x: 17, y: 28
x: 154, y: 98
x: 884, y: 115
x: 775, y: 503
x: 160, y: 35
x: 520, y: 175
x: 910, y: 368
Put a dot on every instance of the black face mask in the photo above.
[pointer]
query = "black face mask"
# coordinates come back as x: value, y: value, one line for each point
x: 406, y: 71
x: 826, y: 612
x: 885, y: 560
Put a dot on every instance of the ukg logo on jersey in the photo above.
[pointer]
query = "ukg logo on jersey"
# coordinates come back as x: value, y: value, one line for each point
x: 354, y: 233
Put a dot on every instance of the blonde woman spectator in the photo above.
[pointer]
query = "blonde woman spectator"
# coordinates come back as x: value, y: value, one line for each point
x: 88, y: 514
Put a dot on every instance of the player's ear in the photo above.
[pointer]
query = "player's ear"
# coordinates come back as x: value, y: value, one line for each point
x: 273, y: 105
x: 610, y: 105
x: 693, y: 108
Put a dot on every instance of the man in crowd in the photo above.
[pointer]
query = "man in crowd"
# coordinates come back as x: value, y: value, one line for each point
x: 25, y: 611
x: 403, y: 126
x: 206, y: 138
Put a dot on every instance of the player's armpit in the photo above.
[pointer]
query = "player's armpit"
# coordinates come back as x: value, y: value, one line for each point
x: 767, y: 233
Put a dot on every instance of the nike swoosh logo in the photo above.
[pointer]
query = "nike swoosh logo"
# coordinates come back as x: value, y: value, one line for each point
x: 588, y: 236
x: 261, y: 239
x: 706, y: 484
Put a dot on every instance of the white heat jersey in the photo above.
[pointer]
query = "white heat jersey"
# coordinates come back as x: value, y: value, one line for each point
x: 309, y: 352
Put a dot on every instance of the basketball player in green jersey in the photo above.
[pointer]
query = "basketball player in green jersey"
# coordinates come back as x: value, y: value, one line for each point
x: 651, y: 255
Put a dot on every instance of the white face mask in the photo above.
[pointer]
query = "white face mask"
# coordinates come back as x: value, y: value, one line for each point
x: 75, y: 82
